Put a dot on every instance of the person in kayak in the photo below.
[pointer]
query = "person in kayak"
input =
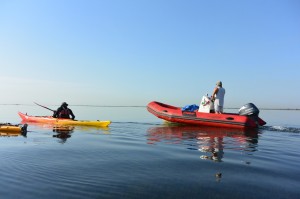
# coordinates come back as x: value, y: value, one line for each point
x: 64, y: 112
x: 218, y: 97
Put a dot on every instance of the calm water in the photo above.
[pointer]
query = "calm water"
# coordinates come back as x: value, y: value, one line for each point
x: 139, y: 156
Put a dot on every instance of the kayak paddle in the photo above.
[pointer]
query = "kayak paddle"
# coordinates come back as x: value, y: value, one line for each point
x: 45, y: 107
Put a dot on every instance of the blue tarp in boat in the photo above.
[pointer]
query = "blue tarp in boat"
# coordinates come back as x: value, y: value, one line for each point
x: 191, y: 108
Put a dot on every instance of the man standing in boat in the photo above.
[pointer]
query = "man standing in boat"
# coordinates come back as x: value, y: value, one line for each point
x: 218, y: 97
x: 64, y: 112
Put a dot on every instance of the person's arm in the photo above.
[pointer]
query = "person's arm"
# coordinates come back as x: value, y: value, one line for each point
x: 214, y: 93
x: 71, y: 113
x: 56, y: 113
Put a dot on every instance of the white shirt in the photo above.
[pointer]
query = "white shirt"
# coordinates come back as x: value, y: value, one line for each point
x: 219, y: 99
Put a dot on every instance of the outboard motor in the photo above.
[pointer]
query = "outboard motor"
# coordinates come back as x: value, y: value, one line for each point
x: 249, y: 109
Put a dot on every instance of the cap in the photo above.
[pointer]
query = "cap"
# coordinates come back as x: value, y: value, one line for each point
x: 64, y: 104
x: 219, y: 83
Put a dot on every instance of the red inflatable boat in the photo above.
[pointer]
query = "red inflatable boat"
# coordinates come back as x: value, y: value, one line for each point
x: 248, y: 117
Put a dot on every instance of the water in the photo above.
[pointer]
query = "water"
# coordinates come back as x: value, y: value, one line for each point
x: 139, y: 156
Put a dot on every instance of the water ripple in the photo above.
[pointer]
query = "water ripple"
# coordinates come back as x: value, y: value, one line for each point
x: 281, y: 129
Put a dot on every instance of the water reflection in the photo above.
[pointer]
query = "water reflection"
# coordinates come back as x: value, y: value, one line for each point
x: 13, y: 134
x: 213, y: 145
x: 64, y: 132
x: 212, y: 142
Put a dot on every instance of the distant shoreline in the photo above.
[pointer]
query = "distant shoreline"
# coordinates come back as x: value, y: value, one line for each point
x: 276, y: 109
x: 121, y: 106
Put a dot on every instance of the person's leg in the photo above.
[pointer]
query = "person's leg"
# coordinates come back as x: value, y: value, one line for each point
x: 221, y: 109
x: 217, y: 109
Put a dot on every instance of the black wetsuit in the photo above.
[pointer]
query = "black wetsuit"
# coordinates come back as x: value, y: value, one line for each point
x: 63, y: 112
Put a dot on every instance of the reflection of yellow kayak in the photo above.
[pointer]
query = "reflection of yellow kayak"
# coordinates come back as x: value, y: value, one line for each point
x: 9, y: 134
x: 56, y: 121
x: 64, y: 129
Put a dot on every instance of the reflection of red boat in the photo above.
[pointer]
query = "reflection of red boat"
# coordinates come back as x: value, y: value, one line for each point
x: 212, y: 135
x: 175, y: 114
x: 186, y: 132
x: 212, y: 140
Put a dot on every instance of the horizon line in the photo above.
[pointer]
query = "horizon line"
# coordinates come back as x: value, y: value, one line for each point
x: 140, y: 106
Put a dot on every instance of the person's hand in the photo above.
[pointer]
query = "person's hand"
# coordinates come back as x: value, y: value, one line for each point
x: 54, y: 114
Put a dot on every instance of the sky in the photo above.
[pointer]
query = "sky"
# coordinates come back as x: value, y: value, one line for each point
x: 123, y: 53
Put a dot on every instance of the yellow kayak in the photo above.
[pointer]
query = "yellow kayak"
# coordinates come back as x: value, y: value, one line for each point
x: 56, y: 121
x: 7, y: 129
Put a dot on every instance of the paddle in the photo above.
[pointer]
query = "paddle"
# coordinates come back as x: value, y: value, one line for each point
x: 44, y: 107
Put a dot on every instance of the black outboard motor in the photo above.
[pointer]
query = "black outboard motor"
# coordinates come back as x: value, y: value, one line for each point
x: 249, y: 109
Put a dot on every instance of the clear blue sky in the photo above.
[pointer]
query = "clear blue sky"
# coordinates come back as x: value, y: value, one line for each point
x: 130, y: 52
